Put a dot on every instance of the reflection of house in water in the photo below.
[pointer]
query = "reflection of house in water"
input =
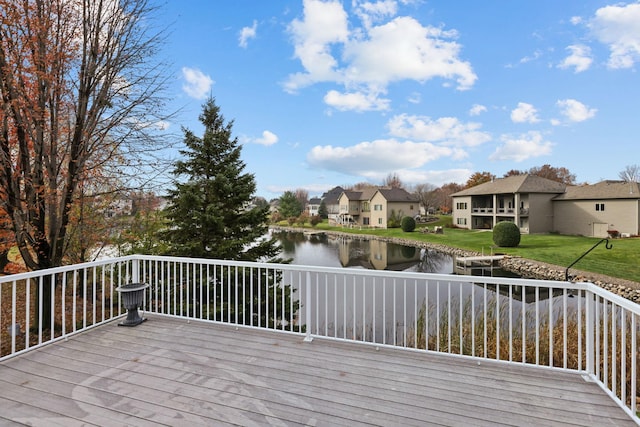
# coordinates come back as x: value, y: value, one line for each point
x: 378, y: 255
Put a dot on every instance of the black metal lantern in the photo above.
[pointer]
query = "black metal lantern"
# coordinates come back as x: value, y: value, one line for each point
x: 132, y: 298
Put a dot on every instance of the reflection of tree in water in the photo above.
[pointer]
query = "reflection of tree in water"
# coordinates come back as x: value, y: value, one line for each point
x: 408, y: 252
x: 432, y: 261
x: 288, y: 240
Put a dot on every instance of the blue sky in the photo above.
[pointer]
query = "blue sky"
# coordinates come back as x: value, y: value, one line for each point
x: 327, y: 92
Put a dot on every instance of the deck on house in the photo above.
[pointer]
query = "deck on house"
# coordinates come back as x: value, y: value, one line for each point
x: 170, y: 372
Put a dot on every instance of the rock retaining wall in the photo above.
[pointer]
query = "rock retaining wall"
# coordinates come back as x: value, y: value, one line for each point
x: 526, y: 268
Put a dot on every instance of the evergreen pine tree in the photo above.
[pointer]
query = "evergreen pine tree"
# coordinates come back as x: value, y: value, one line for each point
x: 322, y: 210
x: 209, y: 210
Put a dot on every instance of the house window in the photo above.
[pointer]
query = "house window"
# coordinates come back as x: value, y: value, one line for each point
x: 365, y: 221
x: 379, y: 221
x: 462, y: 221
x: 600, y: 207
x: 377, y: 207
x: 461, y: 206
x: 410, y: 207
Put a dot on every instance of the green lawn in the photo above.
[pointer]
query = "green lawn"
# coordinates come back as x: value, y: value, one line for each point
x: 622, y: 261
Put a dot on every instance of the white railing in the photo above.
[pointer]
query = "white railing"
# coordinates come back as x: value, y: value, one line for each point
x: 556, y: 325
x: 43, y: 306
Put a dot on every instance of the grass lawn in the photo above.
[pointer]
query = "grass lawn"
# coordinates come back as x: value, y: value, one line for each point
x: 622, y: 261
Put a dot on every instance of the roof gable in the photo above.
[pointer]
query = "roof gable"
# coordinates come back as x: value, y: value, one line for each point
x: 515, y: 184
x: 397, y: 195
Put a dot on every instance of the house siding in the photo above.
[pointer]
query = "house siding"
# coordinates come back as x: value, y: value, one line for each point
x: 379, y: 211
x: 580, y: 217
x: 541, y: 213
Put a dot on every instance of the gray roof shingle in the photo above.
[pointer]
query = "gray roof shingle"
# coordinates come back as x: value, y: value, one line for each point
x: 602, y: 190
x: 515, y: 184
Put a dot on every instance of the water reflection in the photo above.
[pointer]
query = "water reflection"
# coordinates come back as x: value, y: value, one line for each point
x: 320, y: 249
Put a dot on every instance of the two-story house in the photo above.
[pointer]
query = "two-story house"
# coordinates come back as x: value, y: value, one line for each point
x: 373, y: 207
x: 331, y: 202
x: 523, y: 199
x: 313, y: 206
x: 540, y: 205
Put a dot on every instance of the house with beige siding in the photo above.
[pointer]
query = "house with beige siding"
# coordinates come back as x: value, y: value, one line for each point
x: 599, y: 210
x: 539, y: 205
x: 373, y: 207
x: 526, y: 200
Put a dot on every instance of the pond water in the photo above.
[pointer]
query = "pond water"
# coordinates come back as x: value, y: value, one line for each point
x: 325, y: 250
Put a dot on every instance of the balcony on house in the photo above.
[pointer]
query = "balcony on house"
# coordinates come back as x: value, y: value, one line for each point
x: 255, y: 343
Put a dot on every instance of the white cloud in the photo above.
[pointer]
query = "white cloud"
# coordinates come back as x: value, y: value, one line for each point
x: 373, y: 12
x: 162, y: 125
x: 477, y: 109
x: 447, y: 131
x: 523, y: 147
x: 404, y: 49
x: 575, y: 111
x: 524, y: 113
x: 197, y: 84
x: 324, y: 24
x: 415, y: 98
x: 268, y: 138
x: 580, y: 58
x: 367, y: 59
x: 355, y: 101
x: 618, y: 26
x: 247, y: 33
x: 575, y: 20
x: 536, y: 55
x: 377, y: 157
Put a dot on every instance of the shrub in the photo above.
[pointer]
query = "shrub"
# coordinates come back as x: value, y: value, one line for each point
x: 506, y: 234
x: 408, y: 224
x: 315, y: 220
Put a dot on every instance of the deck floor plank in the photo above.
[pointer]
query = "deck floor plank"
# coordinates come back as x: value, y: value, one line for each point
x: 172, y: 372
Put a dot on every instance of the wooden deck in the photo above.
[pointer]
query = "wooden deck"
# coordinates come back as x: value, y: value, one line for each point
x: 170, y: 372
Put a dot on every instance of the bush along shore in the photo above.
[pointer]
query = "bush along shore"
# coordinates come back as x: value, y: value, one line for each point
x: 525, y: 268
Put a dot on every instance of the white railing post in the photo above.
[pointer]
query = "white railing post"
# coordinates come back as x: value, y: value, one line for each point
x: 307, y: 315
x: 590, y: 331
x: 135, y: 270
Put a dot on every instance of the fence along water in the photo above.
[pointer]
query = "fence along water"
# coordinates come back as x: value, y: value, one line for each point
x: 556, y: 325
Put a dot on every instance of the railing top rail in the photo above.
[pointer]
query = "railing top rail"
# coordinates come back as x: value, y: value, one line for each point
x: 65, y: 268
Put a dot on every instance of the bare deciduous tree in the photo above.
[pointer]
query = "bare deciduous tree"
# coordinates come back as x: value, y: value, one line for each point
x: 393, y: 181
x: 80, y: 100
x: 631, y: 173
x: 426, y: 195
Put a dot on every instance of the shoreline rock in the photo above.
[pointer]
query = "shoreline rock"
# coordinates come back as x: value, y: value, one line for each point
x: 526, y: 268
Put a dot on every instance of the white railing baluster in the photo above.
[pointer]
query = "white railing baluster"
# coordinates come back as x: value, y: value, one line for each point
x: 580, y: 326
x: 497, y: 321
x: 634, y: 367
x: 551, y: 324
x: 564, y: 328
x: 524, y: 324
x: 537, y: 303
x: 590, y: 319
x: 13, y: 326
x: 307, y: 316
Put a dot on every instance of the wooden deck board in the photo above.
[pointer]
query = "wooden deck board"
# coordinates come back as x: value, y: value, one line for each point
x: 170, y: 372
